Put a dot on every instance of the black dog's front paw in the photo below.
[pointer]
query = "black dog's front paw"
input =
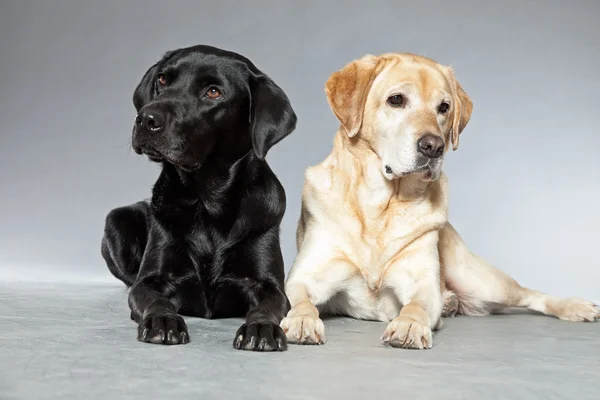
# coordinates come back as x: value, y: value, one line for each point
x: 163, y: 329
x: 260, y: 336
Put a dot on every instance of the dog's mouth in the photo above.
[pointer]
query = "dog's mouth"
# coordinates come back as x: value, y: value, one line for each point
x: 151, y: 153
x: 156, y: 156
x: 431, y: 171
x: 428, y: 171
x: 428, y: 174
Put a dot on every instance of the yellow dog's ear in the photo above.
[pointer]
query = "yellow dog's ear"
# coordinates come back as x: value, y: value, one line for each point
x: 347, y: 91
x: 463, y: 107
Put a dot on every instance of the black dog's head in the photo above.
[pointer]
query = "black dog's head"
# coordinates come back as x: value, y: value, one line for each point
x: 202, y: 100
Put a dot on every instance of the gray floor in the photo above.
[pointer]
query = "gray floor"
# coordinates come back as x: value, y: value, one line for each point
x: 77, y: 342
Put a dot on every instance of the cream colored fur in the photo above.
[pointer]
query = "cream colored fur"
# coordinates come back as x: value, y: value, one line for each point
x: 373, y: 238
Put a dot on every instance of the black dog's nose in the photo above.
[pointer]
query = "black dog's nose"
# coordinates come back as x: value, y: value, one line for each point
x: 431, y: 146
x: 151, y: 120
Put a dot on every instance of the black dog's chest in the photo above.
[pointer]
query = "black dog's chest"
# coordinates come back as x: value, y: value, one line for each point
x: 212, y: 232
x: 204, y: 243
x: 210, y: 257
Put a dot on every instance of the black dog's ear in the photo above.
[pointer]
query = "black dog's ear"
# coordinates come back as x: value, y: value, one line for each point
x: 143, y: 92
x: 272, y: 116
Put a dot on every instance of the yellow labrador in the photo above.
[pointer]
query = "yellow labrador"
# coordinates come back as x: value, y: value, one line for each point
x: 373, y: 238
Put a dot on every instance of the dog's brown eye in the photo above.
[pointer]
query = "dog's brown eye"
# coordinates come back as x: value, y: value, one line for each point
x: 396, y: 100
x: 213, y: 93
x: 162, y: 80
x: 443, y: 108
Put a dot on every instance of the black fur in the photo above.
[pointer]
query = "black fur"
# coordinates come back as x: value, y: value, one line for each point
x: 207, y: 243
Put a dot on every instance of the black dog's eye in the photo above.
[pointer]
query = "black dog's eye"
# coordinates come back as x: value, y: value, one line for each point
x: 213, y: 93
x: 396, y: 100
x: 162, y: 80
x: 443, y: 108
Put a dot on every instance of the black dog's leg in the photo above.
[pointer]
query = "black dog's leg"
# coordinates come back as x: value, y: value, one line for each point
x: 157, y: 316
x: 154, y: 295
x: 261, y: 332
x: 267, y: 299
x: 124, y: 241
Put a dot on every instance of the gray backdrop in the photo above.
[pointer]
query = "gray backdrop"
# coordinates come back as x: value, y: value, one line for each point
x: 524, y: 183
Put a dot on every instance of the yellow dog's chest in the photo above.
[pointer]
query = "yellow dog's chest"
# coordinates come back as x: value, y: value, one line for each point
x: 372, y: 246
x: 371, y: 224
x: 372, y: 239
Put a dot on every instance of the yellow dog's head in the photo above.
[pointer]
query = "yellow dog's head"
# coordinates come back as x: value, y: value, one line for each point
x: 406, y: 108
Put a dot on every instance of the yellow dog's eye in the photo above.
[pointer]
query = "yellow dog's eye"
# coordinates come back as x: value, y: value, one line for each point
x: 443, y: 108
x: 396, y: 100
x: 213, y: 93
x: 162, y: 80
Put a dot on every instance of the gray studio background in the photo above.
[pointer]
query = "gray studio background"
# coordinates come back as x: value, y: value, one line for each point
x: 524, y: 183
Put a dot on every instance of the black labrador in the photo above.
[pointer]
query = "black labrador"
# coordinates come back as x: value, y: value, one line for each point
x: 207, y: 243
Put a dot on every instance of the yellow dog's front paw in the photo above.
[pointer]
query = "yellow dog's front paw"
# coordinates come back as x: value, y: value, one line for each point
x: 407, y: 333
x: 303, y: 330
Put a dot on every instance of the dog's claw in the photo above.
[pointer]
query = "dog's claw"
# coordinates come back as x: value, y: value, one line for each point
x: 238, y: 342
x: 262, y: 344
x: 251, y: 344
x: 185, y: 338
